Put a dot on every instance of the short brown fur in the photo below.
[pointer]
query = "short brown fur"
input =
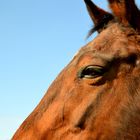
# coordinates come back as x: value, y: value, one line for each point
x: 97, y: 96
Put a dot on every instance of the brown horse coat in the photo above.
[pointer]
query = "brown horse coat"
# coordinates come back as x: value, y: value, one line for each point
x: 97, y: 96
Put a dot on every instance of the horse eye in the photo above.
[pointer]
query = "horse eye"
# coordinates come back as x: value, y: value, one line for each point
x: 91, y: 72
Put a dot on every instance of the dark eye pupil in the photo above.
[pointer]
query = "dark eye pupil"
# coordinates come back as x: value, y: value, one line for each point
x: 91, y: 72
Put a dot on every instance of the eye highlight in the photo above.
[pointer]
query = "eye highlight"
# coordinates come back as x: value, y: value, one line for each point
x: 90, y: 72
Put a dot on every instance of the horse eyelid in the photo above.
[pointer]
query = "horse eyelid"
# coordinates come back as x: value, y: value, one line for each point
x: 91, y: 71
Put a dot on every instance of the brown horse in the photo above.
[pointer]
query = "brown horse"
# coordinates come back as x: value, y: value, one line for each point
x: 97, y: 96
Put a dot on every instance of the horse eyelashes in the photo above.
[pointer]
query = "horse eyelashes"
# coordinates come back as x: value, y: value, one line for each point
x: 91, y: 72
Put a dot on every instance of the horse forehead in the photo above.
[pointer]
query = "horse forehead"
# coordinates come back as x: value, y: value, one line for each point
x: 110, y: 42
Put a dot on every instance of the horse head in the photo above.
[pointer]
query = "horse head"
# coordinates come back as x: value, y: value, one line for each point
x: 97, y: 95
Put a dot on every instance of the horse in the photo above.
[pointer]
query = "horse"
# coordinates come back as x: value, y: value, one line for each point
x: 97, y: 95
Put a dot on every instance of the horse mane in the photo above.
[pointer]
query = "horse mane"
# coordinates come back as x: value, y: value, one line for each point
x: 101, y: 25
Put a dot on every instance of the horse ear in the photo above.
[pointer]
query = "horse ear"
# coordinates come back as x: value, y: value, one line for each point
x: 126, y: 12
x: 98, y: 16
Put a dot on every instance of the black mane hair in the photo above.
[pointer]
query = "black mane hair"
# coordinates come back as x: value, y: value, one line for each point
x: 102, y: 24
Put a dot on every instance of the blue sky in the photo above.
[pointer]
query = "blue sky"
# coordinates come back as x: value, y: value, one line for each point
x: 37, y: 39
